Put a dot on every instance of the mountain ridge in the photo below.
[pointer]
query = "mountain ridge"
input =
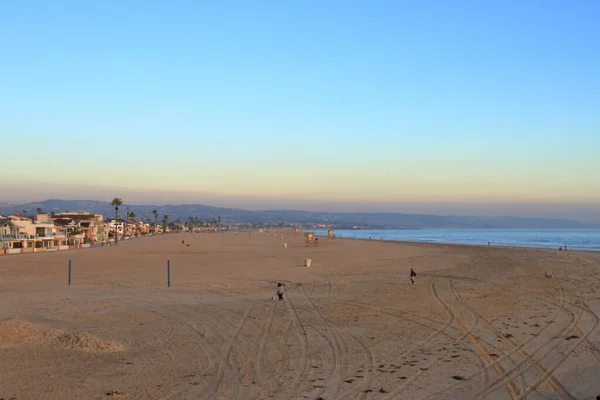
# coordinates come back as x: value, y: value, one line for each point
x: 381, y: 220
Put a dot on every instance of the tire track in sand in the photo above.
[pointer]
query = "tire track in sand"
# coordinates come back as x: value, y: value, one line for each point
x: 207, y: 348
x: 334, y: 381
x: 483, y: 353
x: 402, y: 315
x: 224, y: 365
x: 368, y: 366
x: 302, y: 370
x: 566, y: 355
x: 556, y: 385
x: 206, y: 314
x: 451, y: 318
x: 560, y: 306
x: 588, y: 345
x: 515, y: 372
x: 510, y: 386
x: 258, y: 372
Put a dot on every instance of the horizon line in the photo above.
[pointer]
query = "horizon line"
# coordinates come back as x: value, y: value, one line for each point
x: 320, y: 212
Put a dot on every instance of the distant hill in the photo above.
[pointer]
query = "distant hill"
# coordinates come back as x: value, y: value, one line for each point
x: 335, y: 219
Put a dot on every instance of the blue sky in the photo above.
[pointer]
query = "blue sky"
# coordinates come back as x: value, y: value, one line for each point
x: 375, y: 104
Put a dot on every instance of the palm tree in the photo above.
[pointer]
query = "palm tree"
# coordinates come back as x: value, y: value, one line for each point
x: 131, y: 217
x: 39, y: 210
x: 126, y: 226
x: 177, y: 224
x: 155, y: 224
x: 164, y: 222
x: 116, y: 203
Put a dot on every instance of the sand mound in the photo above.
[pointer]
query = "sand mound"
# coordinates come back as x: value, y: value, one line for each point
x: 16, y: 333
x: 84, y: 341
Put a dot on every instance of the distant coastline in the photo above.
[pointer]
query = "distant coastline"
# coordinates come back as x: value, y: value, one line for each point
x: 305, y: 219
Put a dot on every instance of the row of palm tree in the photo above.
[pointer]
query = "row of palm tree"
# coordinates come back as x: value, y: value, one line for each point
x: 194, y: 222
x: 191, y: 223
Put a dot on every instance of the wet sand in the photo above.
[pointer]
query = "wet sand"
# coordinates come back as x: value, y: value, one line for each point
x: 480, y: 322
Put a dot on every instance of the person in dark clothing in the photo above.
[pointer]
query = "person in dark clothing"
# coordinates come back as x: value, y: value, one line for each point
x: 413, y: 276
x: 280, y: 290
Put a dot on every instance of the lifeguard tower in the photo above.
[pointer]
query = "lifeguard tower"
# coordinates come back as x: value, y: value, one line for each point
x: 310, y: 239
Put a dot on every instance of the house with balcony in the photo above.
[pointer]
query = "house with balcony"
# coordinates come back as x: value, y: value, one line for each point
x: 49, y: 236
x: 8, y: 227
x: 25, y: 240
x: 22, y: 234
x: 91, y: 225
x: 142, y: 228
x: 74, y: 236
x: 12, y: 240
x: 46, y: 236
x: 135, y: 228
x: 102, y: 230
x: 116, y: 227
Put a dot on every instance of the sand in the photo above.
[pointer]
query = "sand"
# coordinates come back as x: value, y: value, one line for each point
x: 480, y: 322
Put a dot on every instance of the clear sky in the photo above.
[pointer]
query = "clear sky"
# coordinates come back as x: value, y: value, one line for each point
x: 365, y: 105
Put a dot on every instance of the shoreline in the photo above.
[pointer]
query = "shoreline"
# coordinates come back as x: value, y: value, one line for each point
x: 507, y: 246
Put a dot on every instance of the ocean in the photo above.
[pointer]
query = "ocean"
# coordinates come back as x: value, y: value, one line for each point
x: 575, y: 239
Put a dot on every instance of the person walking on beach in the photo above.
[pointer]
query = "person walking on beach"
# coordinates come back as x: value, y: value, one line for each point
x: 280, y: 290
x: 413, y: 276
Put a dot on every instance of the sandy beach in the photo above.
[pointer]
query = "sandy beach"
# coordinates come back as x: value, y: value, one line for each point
x: 480, y: 322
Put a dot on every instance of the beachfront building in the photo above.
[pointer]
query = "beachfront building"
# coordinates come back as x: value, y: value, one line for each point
x: 116, y: 226
x: 84, y: 227
x: 139, y: 228
x: 75, y: 236
x: 10, y: 236
x: 8, y: 227
x: 101, y: 232
x: 131, y: 229
x: 60, y: 231
x: 23, y: 234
